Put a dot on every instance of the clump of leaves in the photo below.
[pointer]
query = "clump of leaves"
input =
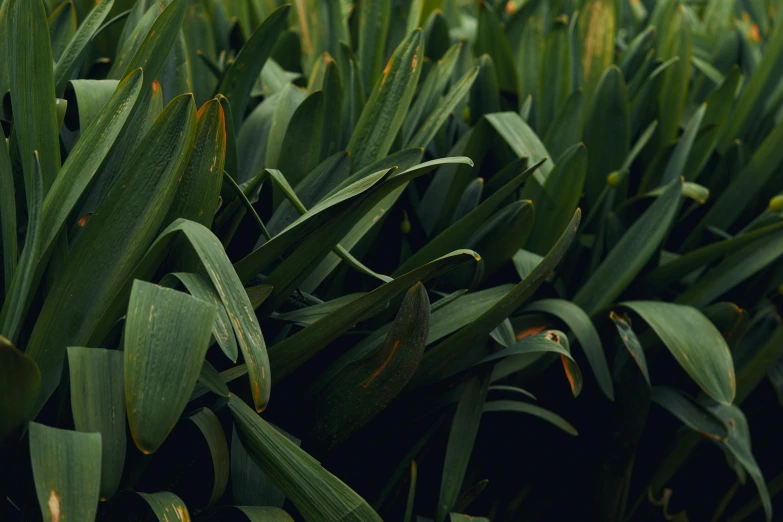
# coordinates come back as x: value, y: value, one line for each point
x: 399, y: 217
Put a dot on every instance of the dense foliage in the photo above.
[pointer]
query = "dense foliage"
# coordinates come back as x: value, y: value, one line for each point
x: 511, y: 258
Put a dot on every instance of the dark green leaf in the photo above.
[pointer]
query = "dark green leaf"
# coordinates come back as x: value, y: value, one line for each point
x: 98, y: 405
x: 67, y: 472
x: 166, y: 338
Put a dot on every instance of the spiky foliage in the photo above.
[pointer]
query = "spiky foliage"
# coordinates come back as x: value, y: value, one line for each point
x: 329, y: 293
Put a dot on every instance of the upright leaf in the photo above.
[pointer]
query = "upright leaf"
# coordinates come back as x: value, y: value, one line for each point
x: 238, y: 80
x: 374, y: 19
x: 631, y: 253
x: 166, y: 337
x: 32, y: 88
x: 66, y: 471
x: 385, y: 110
x: 98, y: 406
x: 113, y: 241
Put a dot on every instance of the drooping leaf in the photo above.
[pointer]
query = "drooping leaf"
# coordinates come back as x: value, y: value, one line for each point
x: 531, y: 409
x: 317, y: 494
x: 584, y: 330
x: 202, y: 288
x: 691, y: 413
x: 295, y: 350
x: 236, y: 300
x: 98, y: 405
x: 113, y: 241
x: 364, y: 388
x: 695, y: 343
x: 450, y: 350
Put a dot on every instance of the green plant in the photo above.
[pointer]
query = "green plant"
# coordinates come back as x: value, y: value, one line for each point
x: 424, y: 206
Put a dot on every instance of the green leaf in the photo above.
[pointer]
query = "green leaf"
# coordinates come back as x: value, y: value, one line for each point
x: 608, y: 140
x: 631, y: 253
x: 32, y: 89
x: 166, y: 338
x: 305, y: 126
x: 86, y: 157
x: 113, y: 241
x: 66, y: 471
x: 448, y: 315
x: 155, y: 43
x: 440, y: 113
x: 388, y: 103
x: 582, y: 327
x: 23, y: 286
x: 362, y: 389
x: 746, y: 185
x: 631, y: 343
x: 719, y: 104
x: 550, y: 341
x: 738, y: 445
x: 201, y: 287
x: 485, y: 97
x: 464, y: 428
x: 20, y: 383
x: 597, y: 28
x: 8, y: 239
x: 676, y: 42
x: 238, y: 80
x: 755, y: 93
x: 555, y: 78
x: 474, y: 333
x: 430, y: 91
x: 316, y: 493
x: 214, y: 261
x: 456, y: 235
x: 152, y: 507
x: 199, y: 187
x: 295, y: 350
x: 374, y: 17
x: 67, y: 62
x: 557, y: 200
x: 695, y: 343
x: 566, y: 129
x: 738, y: 266
x: 531, y: 409
x: 677, y: 269
x: 291, y: 97
x: 62, y: 26
x: 492, y: 40
x: 523, y: 141
x: 98, y: 405
x: 675, y: 168
x: 691, y: 413
x: 311, y: 314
